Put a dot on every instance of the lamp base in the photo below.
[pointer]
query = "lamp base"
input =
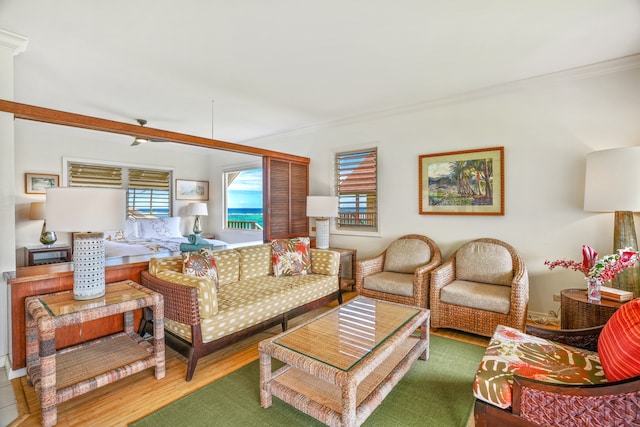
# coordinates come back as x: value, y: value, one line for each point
x: 88, y: 266
x: 197, y: 227
x: 624, y: 236
x: 322, y: 233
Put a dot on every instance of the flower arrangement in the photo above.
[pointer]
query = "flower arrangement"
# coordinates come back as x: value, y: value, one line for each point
x: 598, y: 271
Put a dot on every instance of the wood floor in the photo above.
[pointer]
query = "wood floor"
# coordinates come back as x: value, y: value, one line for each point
x: 132, y: 398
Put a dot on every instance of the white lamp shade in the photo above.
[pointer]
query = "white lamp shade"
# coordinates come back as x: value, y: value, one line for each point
x: 37, y: 210
x: 322, y: 206
x: 197, y: 209
x: 611, y: 180
x: 81, y: 209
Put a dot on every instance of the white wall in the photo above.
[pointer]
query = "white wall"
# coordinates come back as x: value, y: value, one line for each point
x: 546, y: 126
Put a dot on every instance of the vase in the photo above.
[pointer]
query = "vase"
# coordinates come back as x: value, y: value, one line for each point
x: 593, y: 289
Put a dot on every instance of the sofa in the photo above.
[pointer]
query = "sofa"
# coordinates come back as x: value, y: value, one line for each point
x: 252, y: 290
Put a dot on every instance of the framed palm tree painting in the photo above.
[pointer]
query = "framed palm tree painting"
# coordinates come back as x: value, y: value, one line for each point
x: 469, y: 182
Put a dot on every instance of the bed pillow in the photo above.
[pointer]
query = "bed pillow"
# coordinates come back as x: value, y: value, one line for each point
x: 131, y: 230
x: 159, y: 228
x: 619, y: 343
x: 201, y: 265
x: 291, y: 256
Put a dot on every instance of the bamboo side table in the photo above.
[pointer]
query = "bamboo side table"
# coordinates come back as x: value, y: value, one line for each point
x: 577, y: 312
x: 61, y: 375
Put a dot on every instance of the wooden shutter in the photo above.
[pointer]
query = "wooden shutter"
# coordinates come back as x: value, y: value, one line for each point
x: 83, y: 175
x: 286, y: 186
x: 149, y: 193
x: 357, y: 189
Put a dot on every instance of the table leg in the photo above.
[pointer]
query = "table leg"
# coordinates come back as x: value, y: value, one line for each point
x: 349, y: 402
x: 265, y: 380
x: 158, y: 336
x: 424, y: 336
x: 48, y: 392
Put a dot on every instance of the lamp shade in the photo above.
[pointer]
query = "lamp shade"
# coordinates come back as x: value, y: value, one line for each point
x: 197, y: 209
x: 75, y: 209
x: 37, y: 210
x: 322, y: 206
x: 611, y: 180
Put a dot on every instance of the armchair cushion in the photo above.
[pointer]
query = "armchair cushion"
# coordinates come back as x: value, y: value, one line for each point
x: 406, y: 255
x: 476, y: 295
x: 484, y: 262
x: 512, y: 352
x: 619, y: 343
x: 390, y: 283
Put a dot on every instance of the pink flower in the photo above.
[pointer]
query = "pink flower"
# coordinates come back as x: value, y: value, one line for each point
x: 589, y: 258
x: 604, y: 269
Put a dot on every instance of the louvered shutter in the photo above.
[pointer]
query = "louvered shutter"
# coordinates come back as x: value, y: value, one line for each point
x: 357, y: 189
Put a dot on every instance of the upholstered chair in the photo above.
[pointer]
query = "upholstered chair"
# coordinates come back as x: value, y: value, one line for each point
x: 484, y: 284
x: 400, y: 273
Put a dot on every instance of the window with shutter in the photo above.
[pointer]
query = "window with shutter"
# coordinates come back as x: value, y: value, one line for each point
x: 148, y: 191
x: 357, y: 190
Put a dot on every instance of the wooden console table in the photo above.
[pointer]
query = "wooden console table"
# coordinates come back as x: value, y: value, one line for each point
x: 61, y: 375
x: 577, y: 312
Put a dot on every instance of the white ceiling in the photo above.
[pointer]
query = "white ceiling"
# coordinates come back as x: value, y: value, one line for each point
x: 262, y: 67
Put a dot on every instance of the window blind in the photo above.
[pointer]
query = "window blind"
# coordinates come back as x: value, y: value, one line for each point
x: 83, y: 175
x: 149, y: 193
x: 357, y: 189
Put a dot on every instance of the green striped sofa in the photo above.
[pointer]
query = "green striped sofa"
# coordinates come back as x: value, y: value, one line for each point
x: 201, y: 319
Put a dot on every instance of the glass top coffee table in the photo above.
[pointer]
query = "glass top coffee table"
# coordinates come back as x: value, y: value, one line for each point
x: 340, y: 366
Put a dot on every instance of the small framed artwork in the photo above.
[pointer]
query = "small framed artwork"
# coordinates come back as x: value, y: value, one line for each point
x: 37, y: 183
x: 192, y: 190
x: 469, y: 182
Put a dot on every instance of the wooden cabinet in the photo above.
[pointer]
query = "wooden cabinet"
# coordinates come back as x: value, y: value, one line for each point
x: 39, y: 255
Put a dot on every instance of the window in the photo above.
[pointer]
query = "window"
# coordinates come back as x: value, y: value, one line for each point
x: 148, y: 191
x: 357, y: 190
x: 243, y: 199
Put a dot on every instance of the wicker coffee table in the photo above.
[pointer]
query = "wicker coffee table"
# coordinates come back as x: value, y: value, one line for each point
x: 340, y: 366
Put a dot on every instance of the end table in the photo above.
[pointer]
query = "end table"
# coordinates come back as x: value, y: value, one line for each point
x: 577, y: 312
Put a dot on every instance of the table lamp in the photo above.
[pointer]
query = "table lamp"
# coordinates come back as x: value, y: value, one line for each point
x: 86, y: 212
x: 611, y: 185
x: 197, y: 209
x: 322, y: 208
x: 37, y: 212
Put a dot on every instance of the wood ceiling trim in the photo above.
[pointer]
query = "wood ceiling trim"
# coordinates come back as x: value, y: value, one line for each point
x: 47, y: 115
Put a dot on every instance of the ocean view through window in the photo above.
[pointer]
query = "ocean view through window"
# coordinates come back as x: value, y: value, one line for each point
x: 244, y: 199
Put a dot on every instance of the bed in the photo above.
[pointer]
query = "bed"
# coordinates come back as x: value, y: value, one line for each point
x: 148, y: 236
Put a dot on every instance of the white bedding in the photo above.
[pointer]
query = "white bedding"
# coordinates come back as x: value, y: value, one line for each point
x: 133, y: 247
x: 147, y: 236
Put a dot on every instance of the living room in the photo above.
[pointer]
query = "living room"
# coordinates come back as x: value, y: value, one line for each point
x: 547, y: 120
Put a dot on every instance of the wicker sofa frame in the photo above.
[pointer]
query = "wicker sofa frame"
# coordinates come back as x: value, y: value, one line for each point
x: 421, y: 277
x: 614, y: 403
x: 181, y: 305
x: 473, y: 320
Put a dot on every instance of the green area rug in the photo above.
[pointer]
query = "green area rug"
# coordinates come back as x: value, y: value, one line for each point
x: 436, y: 392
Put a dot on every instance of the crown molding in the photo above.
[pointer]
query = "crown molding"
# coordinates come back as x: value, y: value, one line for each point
x: 586, y: 71
x: 14, y: 42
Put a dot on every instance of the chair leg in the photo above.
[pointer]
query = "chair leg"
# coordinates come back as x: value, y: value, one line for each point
x: 191, y: 363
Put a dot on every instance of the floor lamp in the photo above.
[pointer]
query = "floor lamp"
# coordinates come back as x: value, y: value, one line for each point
x: 78, y: 210
x: 322, y: 208
x: 611, y: 185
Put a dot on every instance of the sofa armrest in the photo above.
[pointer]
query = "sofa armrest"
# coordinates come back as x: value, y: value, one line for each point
x: 586, y: 338
x: 325, y: 262
x: 180, y: 302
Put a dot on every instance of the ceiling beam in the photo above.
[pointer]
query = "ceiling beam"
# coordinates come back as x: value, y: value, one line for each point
x: 57, y: 117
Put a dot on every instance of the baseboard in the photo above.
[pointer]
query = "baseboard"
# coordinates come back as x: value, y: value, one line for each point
x: 11, y: 374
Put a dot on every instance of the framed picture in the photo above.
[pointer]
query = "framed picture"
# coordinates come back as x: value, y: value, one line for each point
x: 192, y: 190
x: 37, y: 183
x: 469, y: 182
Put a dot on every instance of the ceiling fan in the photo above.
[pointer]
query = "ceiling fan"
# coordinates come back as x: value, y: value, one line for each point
x: 139, y: 139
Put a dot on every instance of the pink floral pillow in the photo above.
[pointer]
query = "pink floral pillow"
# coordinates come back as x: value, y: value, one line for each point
x: 291, y: 256
x: 198, y: 264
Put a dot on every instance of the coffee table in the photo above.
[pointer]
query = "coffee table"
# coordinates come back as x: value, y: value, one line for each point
x: 340, y: 366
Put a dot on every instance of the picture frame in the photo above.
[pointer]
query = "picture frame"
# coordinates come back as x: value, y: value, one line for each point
x: 468, y: 182
x: 192, y: 190
x: 37, y: 183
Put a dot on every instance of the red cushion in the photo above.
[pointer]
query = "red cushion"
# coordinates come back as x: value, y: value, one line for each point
x: 619, y: 343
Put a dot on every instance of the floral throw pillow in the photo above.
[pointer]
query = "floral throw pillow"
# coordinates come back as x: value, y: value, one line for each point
x: 197, y: 264
x: 291, y: 256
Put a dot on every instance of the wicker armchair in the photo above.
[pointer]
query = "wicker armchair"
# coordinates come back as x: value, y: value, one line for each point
x: 401, y: 273
x: 484, y: 284
x: 546, y: 403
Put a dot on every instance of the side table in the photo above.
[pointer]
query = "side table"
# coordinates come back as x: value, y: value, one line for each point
x: 347, y: 254
x: 577, y: 312
x: 62, y: 375
x: 38, y: 255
